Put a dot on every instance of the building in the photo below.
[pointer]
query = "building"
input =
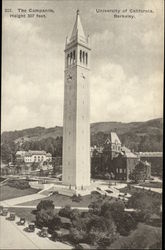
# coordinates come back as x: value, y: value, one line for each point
x: 112, y: 145
x: 124, y: 164
x: 155, y: 159
x: 76, y: 127
x: 32, y: 156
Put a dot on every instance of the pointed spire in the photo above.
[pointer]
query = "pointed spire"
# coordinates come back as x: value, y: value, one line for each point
x: 77, y: 29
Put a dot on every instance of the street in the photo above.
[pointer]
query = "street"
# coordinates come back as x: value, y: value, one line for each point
x: 13, y: 236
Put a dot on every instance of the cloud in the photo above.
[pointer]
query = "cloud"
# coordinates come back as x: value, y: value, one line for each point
x: 117, y: 97
x: 126, y: 83
x: 35, y: 103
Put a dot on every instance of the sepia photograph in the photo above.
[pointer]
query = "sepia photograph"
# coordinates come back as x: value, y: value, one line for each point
x: 81, y: 124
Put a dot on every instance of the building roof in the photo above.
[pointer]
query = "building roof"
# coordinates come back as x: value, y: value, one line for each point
x: 77, y: 29
x: 20, y: 152
x: 130, y: 155
x: 125, y: 149
x: 150, y: 154
x: 113, y: 138
x: 48, y: 154
x: 35, y: 152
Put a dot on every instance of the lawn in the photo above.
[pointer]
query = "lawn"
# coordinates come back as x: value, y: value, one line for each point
x: 152, y: 184
x: 62, y: 200
x: 7, y: 192
x: 23, y: 212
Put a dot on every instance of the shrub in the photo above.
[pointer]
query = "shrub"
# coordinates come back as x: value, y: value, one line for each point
x: 20, y: 184
x: 76, y: 198
x: 65, y: 212
x: 44, y: 218
x: 45, y: 204
x: 54, y: 224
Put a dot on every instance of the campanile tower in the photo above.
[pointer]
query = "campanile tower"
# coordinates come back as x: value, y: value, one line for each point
x: 76, y: 119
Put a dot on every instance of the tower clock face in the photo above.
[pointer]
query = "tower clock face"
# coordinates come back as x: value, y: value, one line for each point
x: 83, y: 76
x: 69, y: 77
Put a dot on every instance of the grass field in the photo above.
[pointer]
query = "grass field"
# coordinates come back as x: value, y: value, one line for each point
x: 62, y: 200
x: 23, y: 212
x: 152, y: 184
x: 7, y: 192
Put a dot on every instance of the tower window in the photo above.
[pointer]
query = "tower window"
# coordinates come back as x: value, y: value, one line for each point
x: 80, y: 55
x: 74, y: 56
x: 68, y: 59
x: 71, y: 58
x: 83, y: 56
x: 86, y: 57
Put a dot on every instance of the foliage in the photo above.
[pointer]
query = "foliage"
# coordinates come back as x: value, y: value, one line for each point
x: 20, y: 184
x: 145, y: 201
x: 65, y: 212
x: 76, y: 198
x: 140, y: 136
x: 76, y: 236
x: 123, y: 221
x: 46, y: 205
x: 144, y: 237
x: 44, y: 217
x: 139, y: 173
x: 55, y: 223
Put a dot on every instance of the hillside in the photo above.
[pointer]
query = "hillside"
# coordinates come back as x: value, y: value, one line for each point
x: 139, y: 136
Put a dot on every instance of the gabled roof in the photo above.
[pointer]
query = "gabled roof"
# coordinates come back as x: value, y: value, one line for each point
x: 113, y: 138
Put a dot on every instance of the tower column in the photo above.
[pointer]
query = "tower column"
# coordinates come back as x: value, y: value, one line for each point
x: 76, y: 120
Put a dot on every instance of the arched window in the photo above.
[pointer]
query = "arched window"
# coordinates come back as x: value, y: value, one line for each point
x: 83, y: 56
x: 71, y: 58
x: 80, y: 55
x: 68, y: 57
x: 86, y: 58
x: 74, y: 56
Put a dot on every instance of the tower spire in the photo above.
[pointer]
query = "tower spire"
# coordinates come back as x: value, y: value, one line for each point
x: 77, y: 28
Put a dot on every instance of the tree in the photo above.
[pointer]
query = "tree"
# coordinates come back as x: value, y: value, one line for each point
x: 65, y: 212
x: 140, y: 172
x: 144, y: 237
x: 101, y: 231
x: 55, y: 223
x: 44, y: 217
x: 46, y: 205
x: 146, y: 203
x: 76, y: 235
x: 114, y: 207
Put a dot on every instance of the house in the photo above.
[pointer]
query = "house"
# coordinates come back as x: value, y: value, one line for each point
x: 33, y: 156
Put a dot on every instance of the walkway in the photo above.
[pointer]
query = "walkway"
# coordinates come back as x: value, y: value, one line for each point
x: 157, y: 190
x: 22, y: 199
x: 13, y: 236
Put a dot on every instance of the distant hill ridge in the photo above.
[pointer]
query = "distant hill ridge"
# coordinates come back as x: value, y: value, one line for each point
x: 126, y: 131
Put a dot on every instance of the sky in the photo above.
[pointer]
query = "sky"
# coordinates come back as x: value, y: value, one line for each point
x: 126, y: 78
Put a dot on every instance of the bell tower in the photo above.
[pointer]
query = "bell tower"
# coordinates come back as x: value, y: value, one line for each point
x: 76, y: 116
